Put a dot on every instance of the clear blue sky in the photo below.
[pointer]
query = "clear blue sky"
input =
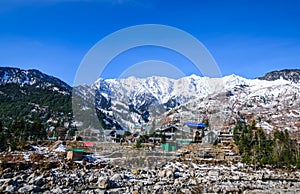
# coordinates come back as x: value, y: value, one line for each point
x: 247, y: 38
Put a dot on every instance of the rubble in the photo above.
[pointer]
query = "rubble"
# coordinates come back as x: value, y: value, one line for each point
x: 55, y: 175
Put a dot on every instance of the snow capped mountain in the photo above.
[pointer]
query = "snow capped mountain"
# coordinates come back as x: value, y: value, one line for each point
x: 136, y: 101
x: 158, y: 88
x: 31, y: 77
x: 272, y: 104
x: 273, y: 101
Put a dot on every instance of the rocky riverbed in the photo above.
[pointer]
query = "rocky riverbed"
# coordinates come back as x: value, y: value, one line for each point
x: 41, y: 174
x: 174, y: 177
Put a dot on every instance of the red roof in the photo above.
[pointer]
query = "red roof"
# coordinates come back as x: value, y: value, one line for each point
x: 88, y: 144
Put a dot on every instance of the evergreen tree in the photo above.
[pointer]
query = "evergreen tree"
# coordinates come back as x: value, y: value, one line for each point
x: 278, y: 150
x: 2, y: 136
x: 72, y: 130
x: 138, y: 143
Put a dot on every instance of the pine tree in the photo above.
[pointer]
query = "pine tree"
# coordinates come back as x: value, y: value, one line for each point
x: 138, y: 143
x: 278, y: 150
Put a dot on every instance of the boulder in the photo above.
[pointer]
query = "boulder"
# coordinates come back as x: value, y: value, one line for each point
x: 29, y: 189
x: 134, y: 171
x: 116, y: 177
x: 39, y: 181
x: 10, y: 189
x: 162, y: 173
x: 57, y: 191
x: 213, y: 173
x: 103, y: 183
x: 169, y: 174
x: 92, y: 179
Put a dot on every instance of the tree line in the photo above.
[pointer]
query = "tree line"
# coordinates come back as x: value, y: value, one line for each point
x: 16, y: 134
x: 258, y: 148
x: 17, y: 102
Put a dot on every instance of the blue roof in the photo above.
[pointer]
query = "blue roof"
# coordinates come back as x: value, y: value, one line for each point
x: 195, y: 125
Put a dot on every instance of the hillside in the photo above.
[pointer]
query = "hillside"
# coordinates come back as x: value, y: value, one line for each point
x: 272, y: 101
x: 134, y: 102
x: 32, y: 94
x: 292, y: 75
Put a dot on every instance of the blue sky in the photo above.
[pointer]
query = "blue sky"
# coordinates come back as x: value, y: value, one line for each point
x: 247, y: 38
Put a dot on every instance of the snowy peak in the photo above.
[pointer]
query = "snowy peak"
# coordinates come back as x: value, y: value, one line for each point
x: 30, y: 77
x: 234, y: 80
x: 160, y: 88
x: 129, y: 102
x: 135, y: 101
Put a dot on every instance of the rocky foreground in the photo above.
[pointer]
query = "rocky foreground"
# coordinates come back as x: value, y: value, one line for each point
x: 44, y: 174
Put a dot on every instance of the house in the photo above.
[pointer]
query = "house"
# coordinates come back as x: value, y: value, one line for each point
x: 171, y: 137
x: 193, y: 125
x: 169, y: 133
x: 75, y: 154
x: 76, y: 149
x: 197, y: 129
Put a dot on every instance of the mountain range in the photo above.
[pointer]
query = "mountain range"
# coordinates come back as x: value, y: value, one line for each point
x: 272, y: 101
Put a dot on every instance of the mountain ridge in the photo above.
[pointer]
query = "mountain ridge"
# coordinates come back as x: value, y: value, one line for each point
x: 130, y: 102
x: 30, y: 77
x: 292, y: 75
x: 144, y: 99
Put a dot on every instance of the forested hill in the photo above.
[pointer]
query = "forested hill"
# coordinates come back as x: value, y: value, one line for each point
x: 30, y: 94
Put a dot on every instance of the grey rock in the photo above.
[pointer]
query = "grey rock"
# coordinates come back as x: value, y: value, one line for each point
x: 177, y: 182
x: 169, y: 174
x: 116, y: 177
x: 16, y: 178
x: 8, y: 182
x: 10, y: 189
x: 235, y: 178
x: 213, y: 173
x: 103, y: 182
x: 2, y: 188
x: 29, y: 188
x: 7, y: 175
x: 99, y: 191
x: 162, y: 173
x: 57, y: 191
x: 186, y: 191
x: 92, y: 179
x: 157, y: 187
x: 193, y: 182
x: 39, y: 181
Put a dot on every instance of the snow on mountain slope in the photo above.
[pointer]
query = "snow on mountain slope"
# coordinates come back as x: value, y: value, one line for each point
x: 273, y: 104
x: 136, y: 101
x: 160, y: 88
x: 34, y: 77
x: 273, y: 100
